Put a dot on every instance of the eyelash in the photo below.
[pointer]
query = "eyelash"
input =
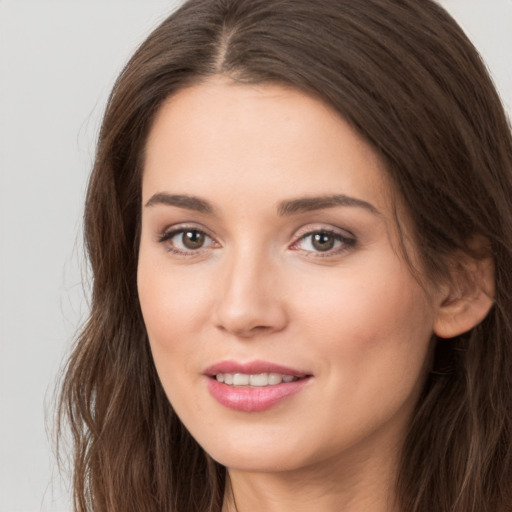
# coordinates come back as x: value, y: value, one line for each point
x: 169, y: 235
x: 347, y: 242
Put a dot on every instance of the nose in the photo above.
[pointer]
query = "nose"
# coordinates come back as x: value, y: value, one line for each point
x: 250, y: 301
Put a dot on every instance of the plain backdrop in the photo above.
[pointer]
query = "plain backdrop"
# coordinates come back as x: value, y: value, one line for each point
x: 58, y: 61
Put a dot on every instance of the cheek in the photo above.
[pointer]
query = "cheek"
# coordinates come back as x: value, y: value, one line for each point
x: 170, y: 296
x: 371, y: 335
x: 172, y: 312
x: 374, y: 324
x: 173, y: 309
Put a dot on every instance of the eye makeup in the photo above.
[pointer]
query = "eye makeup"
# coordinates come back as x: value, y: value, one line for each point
x: 186, y: 240
x: 190, y: 240
x: 323, y: 242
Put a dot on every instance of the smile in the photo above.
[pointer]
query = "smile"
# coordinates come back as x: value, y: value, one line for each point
x: 254, y: 379
x: 255, y: 386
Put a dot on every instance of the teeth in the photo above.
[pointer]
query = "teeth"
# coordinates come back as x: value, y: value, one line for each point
x: 256, y: 380
x: 276, y: 378
x: 241, y: 379
x: 259, y: 380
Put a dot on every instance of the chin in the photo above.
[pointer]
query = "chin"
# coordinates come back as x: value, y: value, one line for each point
x: 262, y: 453
x: 255, y: 461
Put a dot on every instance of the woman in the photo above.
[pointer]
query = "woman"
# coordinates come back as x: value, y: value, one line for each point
x: 300, y: 231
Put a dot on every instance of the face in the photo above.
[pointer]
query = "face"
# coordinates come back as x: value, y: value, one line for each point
x: 286, y: 328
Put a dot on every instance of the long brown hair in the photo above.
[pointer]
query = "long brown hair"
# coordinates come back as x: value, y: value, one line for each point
x: 405, y: 76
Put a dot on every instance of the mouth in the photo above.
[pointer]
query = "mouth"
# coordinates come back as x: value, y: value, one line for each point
x: 255, y: 386
x: 256, y: 380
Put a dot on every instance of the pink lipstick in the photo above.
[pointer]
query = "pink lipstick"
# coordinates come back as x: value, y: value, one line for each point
x: 254, y: 386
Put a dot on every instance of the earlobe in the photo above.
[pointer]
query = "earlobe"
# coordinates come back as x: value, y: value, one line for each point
x: 468, y: 298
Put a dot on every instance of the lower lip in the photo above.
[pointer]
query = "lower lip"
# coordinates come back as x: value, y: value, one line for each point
x: 253, y: 399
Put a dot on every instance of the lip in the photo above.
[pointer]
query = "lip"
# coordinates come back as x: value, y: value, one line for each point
x: 252, y: 367
x: 253, y: 399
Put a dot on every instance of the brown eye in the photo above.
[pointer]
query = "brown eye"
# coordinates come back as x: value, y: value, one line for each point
x: 323, y: 241
x: 193, y: 239
x: 186, y: 241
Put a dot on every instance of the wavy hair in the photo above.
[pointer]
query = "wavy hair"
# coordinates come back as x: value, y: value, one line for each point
x: 408, y: 80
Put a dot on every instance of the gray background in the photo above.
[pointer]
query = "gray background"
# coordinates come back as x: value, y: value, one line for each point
x: 58, y: 60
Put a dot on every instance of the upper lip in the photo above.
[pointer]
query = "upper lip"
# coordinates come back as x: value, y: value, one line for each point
x: 253, y: 368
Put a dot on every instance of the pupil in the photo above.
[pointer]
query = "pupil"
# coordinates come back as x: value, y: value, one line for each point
x: 323, y: 241
x: 193, y: 239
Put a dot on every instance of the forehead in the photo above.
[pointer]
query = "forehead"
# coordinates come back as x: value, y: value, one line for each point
x: 260, y: 140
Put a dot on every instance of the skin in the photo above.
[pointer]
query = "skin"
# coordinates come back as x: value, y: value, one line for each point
x: 258, y: 289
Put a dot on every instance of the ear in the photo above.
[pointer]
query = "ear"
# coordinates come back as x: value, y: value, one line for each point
x: 465, y: 301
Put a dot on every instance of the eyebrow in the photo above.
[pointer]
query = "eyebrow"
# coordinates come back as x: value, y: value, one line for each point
x: 181, y: 201
x: 307, y: 204
x: 285, y: 208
